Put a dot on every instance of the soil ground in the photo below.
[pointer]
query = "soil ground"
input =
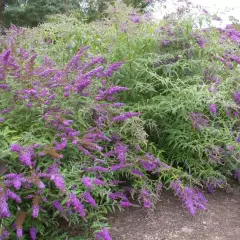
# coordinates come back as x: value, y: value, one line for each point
x: 170, y: 221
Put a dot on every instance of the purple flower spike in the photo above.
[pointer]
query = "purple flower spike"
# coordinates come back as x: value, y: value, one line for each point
x: 19, y: 233
x: 112, y: 68
x: 118, y: 104
x: 15, y: 148
x: 199, y: 120
x: 145, y: 196
x: 110, y: 92
x: 59, y: 181
x: 201, y: 42
x: 35, y: 211
x: 121, y: 151
x: 125, y: 204
x: 236, y: 59
x: 5, y: 87
x: 13, y: 196
x: 150, y: 163
x: 76, y: 204
x: 135, y: 19
x: 137, y: 148
x: 213, y: 109
x: 98, y: 182
x: 137, y: 172
x: 88, y: 197
x: 26, y: 158
x: 57, y: 205
x: 33, y: 233
x: 191, y: 198
x: 236, y: 96
x: 125, y: 116
x: 119, y: 167
x: 118, y: 195
x: 216, y: 154
x: 166, y: 42
x: 2, y: 75
x: 4, y: 210
x: 103, y: 235
x: 4, y: 234
x: 238, y: 138
x: 87, y: 182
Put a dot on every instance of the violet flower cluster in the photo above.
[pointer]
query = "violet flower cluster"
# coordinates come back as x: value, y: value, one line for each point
x: 152, y: 164
x: 212, y: 184
x: 213, y: 109
x: 201, y: 42
x: 209, y: 77
x: 232, y: 33
x: 103, y: 235
x: 191, y: 198
x: 198, y: 120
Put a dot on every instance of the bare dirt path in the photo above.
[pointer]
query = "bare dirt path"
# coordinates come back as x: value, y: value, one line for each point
x: 170, y: 221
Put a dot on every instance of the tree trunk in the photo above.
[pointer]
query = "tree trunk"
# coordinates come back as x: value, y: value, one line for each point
x: 2, y: 6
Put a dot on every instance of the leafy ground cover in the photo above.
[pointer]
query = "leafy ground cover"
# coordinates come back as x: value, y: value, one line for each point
x: 96, y: 115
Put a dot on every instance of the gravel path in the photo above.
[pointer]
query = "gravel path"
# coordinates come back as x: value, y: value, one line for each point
x: 170, y: 221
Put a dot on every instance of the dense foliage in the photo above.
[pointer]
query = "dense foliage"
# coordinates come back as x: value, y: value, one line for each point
x: 71, y: 150
x: 33, y: 12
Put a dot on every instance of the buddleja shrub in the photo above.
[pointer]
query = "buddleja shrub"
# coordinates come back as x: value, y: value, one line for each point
x: 68, y: 150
